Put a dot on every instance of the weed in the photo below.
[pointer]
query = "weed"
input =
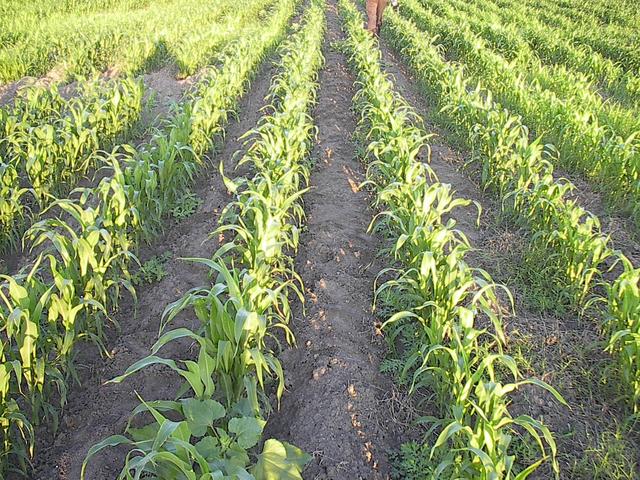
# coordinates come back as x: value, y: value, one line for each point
x: 152, y: 271
x: 186, y: 206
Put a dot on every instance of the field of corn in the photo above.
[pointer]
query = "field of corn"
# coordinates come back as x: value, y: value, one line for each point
x: 251, y: 240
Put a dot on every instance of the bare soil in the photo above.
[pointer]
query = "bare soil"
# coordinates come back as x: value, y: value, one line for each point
x: 8, y: 91
x: 166, y: 88
x: 335, y: 404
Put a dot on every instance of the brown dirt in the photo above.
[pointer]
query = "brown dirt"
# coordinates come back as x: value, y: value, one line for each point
x: 335, y: 404
x: 97, y: 410
x: 166, y: 88
x: 8, y: 91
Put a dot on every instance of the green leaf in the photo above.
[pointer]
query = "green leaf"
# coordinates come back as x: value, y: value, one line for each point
x: 111, y: 441
x: 248, y: 430
x: 245, y: 320
x: 143, y: 363
x: 547, y: 387
x: 209, y: 448
x: 201, y: 414
x: 280, y: 461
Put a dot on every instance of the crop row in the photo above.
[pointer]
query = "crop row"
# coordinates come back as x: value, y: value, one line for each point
x: 601, y: 142
x: 217, y: 417
x: 513, y: 32
x: 48, y: 144
x: 433, y: 297
x: 66, y: 295
x: 578, y: 89
x: 616, y: 42
x: 617, y: 13
x: 516, y: 168
x: 125, y: 39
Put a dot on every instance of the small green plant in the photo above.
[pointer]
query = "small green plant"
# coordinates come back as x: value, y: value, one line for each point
x: 611, y: 458
x: 410, y: 462
x: 186, y: 206
x: 152, y: 271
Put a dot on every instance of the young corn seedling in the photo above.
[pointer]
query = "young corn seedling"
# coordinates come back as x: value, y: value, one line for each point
x: 32, y: 372
x: 54, y: 149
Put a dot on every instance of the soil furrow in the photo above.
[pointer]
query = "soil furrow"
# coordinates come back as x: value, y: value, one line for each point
x: 334, y: 404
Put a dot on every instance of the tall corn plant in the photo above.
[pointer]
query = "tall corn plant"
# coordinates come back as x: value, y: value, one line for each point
x: 433, y: 288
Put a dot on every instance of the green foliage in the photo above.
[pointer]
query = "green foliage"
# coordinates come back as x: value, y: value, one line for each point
x: 458, y: 351
x: 217, y: 416
x: 151, y: 271
x: 511, y: 29
x: 202, y: 441
x: 597, y: 138
x: 623, y: 328
x: 87, y: 239
x: 611, y: 458
x: 518, y: 169
x: 411, y: 462
x: 49, y: 144
x: 123, y: 36
x: 186, y: 206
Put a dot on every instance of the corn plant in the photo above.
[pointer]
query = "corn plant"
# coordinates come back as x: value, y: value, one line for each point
x: 12, y: 209
x: 129, y: 37
x: 434, y: 292
x: 613, y: 41
x: 623, y: 329
x: 519, y: 170
x: 515, y: 167
x: 88, y: 247
x: 236, y: 316
x: 31, y: 374
x: 517, y: 34
x: 54, y: 149
x: 593, y: 137
x: 222, y: 448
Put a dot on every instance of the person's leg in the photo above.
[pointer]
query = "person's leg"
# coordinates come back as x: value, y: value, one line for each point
x: 382, y: 4
x: 372, y: 15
